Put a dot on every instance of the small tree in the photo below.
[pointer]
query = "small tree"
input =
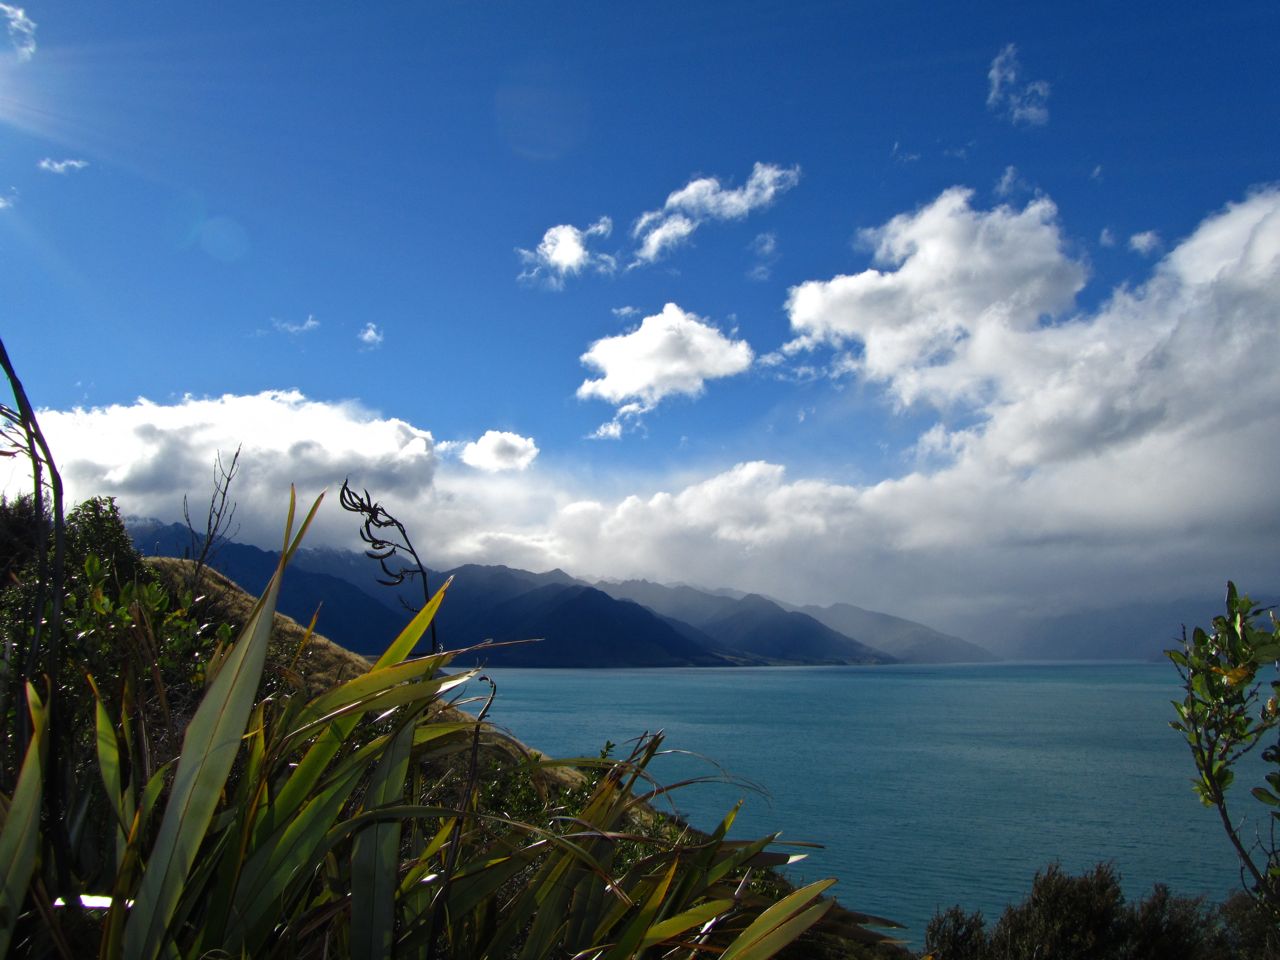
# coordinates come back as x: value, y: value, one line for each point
x: 1223, y: 717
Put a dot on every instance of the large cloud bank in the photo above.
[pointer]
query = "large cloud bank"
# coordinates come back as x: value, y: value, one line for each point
x: 1072, y: 459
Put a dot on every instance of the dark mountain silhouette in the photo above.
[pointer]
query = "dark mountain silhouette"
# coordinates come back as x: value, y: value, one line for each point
x: 579, y: 626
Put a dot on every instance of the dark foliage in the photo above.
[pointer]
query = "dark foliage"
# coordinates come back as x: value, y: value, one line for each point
x: 1086, y: 918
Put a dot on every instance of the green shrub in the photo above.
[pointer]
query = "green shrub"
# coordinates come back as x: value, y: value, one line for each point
x: 1086, y: 917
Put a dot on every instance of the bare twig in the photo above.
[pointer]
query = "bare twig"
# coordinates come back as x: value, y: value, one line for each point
x: 217, y: 519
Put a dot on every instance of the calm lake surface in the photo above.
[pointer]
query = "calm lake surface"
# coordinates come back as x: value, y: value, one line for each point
x: 927, y: 786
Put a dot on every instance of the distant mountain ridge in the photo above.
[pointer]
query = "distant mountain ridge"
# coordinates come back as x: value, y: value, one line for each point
x: 724, y: 614
x: 576, y: 623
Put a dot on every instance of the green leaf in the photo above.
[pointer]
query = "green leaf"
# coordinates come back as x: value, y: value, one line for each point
x: 19, y: 839
x: 209, y: 749
x: 678, y: 924
x: 782, y: 935
x: 776, y: 917
x: 375, y: 855
x: 276, y: 863
x: 1266, y: 796
x: 109, y: 758
x: 412, y: 633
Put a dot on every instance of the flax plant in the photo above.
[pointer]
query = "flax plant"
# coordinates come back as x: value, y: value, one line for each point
x: 290, y: 826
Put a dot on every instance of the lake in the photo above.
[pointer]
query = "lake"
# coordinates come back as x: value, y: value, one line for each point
x: 927, y: 785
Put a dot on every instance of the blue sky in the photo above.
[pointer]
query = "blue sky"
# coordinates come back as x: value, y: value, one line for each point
x: 940, y: 309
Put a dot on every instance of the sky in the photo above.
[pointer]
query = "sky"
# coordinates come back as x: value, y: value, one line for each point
x: 963, y: 312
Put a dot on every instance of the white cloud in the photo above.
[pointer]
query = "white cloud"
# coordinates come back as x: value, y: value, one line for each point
x: 901, y: 155
x: 1145, y: 243
x: 1026, y: 103
x: 1096, y: 174
x: 705, y: 199
x: 370, y: 336
x: 293, y: 329
x: 1107, y: 237
x: 149, y: 454
x: 672, y: 353
x: 623, y: 312
x: 564, y: 252
x: 765, y: 249
x: 952, y: 279
x: 7, y: 201
x: 660, y: 234
x: 765, y: 245
x: 610, y: 430
x: 49, y: 165
x: 498, y: 450
x: 22, y: 31
x: 1092, y: 446
x: 1010, y: 182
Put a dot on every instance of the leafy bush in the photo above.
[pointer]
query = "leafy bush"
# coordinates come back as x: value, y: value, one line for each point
x: 1223, y: 717
x: 1086, y: 918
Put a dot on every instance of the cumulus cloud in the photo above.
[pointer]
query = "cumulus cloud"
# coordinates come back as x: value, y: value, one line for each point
x: 1145, y: 243
x: 706, y: 199
x: 370, y: 336
x: 49, y: 165
x: 1010, y: 182
x: 672, y: 353
x: 1080, y: 438
x: 293, y: 329
x: 499, y: 450
x: 950, y: 279
x: 1022, y: 103
x: 564, y: 252
x: 22, y: 31
x: 149, y: 454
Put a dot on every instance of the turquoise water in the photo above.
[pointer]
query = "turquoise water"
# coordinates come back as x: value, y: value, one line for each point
x: 927, y: 786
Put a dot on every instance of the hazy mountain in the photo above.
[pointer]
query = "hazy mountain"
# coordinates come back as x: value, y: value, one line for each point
x: 683, y: 603
x: 757, y: 625
x: 903, y: 640
x: 1135, y: 631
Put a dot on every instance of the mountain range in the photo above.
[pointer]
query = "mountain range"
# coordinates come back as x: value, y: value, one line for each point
x: 576, y: 623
